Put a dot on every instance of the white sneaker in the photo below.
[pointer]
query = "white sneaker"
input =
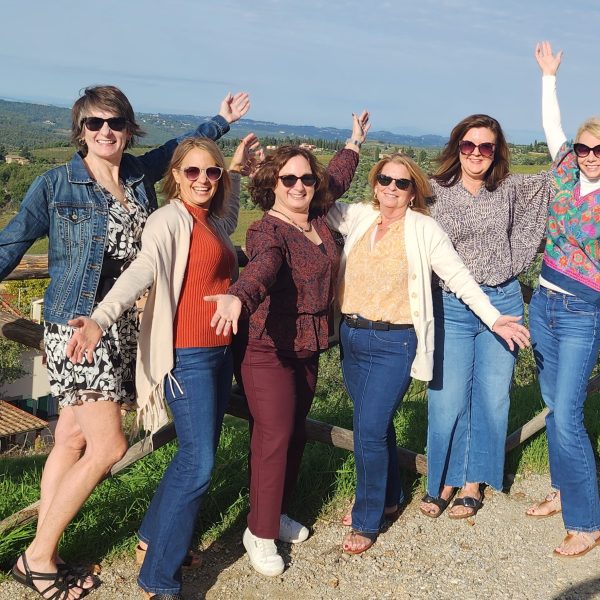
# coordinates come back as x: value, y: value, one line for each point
x: 263, y: 554
x: 291, y: 531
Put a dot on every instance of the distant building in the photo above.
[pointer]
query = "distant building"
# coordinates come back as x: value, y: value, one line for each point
x: 310, y: 147
x: 16, y: 426
x: 16, y: 158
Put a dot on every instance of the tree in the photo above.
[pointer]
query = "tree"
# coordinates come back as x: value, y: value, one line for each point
x: 11, y: 367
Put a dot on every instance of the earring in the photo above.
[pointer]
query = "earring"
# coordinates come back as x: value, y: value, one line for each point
x: 411, y: 203
x: 176, y: 190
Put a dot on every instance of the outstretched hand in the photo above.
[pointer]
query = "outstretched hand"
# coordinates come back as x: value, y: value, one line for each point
x: 225, y: 319
x: 85, y: 338
x: 547, y: 61
x: 247, y: 156
x: 360, y: 126
x: 509, y: 329
x: 234, y: 107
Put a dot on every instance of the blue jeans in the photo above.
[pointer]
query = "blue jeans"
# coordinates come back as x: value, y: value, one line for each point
x: 376, y: 368
x: 197, y: 399
x: 469, y: 393
x: 566, y: 338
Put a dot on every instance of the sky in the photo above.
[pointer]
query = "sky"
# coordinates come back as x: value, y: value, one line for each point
x: 418, y: 66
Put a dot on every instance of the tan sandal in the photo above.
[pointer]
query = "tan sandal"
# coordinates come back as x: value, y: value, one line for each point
x: 551, y: 501
x: 590, y: 543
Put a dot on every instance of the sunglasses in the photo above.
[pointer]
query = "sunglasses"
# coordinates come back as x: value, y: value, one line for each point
x: 96, y: 123
x: 582, y: 150
x: 290, y: 180
x: 486, y: 149
x: 385, y: 180
x: 212, y: 173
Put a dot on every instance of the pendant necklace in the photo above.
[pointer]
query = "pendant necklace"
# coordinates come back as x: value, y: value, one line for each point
x: 298, y: 227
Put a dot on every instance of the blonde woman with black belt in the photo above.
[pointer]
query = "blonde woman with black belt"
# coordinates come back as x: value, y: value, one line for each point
x: 391, y: 247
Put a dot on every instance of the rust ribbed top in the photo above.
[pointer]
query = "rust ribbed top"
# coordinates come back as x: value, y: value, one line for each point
x: 207, y: 273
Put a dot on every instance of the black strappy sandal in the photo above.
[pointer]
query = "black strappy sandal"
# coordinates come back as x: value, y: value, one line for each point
x: 440, y: 502
x: 76, y: 576
x: 56, y: 581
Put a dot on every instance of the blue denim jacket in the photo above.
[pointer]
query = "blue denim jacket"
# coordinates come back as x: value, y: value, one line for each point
x: 67, y: 205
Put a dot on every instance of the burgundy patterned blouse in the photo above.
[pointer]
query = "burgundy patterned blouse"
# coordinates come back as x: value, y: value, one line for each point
x: 288, y: 286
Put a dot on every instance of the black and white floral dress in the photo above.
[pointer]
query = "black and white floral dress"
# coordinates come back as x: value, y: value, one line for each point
x: 111, y: 374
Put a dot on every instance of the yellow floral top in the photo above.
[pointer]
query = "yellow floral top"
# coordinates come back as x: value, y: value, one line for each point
x: 375, y: 285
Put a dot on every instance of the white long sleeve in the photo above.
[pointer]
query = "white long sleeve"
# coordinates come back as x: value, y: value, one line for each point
x: 555, y: 136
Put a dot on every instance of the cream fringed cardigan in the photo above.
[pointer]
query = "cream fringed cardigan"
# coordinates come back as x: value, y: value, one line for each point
x: 161, y: 263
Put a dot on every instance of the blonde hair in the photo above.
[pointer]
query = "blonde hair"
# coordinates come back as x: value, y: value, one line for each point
x: 591, y: 125
x: 420, y: 182
x: 169, y: 188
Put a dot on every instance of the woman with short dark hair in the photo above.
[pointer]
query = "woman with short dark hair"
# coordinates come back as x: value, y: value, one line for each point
x: 93, y: 210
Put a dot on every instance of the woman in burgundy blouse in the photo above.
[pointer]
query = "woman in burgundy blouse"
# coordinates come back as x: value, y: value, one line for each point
x: 286, y: 292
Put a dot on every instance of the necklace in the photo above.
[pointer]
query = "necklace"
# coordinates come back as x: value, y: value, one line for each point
x: 298, y: 227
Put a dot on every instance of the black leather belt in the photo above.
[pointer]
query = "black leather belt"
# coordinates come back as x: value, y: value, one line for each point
x: 358, y: 322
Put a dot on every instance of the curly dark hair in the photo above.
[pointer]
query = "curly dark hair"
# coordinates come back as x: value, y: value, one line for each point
x: 449, y: 169
x: 262, y: 186
x: 102, y: 97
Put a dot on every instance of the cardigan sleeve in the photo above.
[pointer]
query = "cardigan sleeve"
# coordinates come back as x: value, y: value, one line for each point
x: 266, y: 255
x: 446, y: 262
x: 230, y: 218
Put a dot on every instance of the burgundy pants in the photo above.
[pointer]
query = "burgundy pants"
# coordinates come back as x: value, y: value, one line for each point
x: 280, y: 388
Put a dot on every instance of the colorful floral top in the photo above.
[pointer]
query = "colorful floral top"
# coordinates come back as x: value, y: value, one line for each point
x: 572, y: 254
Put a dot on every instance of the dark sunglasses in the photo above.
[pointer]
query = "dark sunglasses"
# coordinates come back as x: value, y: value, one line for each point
x: 486, y: 149
x: 96, y: 123
x: 385, y: 180
x: 212, y: 173
x: 582, y: 150
x: 290, y: 180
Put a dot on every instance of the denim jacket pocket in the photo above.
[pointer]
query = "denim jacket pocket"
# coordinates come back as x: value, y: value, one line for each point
x: 73, y: 221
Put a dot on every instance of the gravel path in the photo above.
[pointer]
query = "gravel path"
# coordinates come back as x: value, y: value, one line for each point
x: 500, y: 554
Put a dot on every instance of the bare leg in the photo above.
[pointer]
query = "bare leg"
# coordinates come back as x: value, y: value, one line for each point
x: 69, y: 445
x: 105, y: 444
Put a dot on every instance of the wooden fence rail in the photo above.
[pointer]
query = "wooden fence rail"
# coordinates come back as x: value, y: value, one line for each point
x: 31, y: 334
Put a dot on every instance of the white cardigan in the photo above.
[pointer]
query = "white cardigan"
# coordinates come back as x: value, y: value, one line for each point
x: 427, y: 248
x: 161, y: 263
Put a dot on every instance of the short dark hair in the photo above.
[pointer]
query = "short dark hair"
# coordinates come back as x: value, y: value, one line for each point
x: 449, y: 169
x: 104, y: 97
x: 262, y: 186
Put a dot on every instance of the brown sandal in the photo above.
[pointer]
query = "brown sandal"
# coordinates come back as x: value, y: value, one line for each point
x: 552, y: 500
x: 590, y: 543
x: 191, y: 560
x: 370, y: 537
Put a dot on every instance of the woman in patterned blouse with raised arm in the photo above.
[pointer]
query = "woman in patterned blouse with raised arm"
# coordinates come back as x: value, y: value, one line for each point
x: 286, y: 290
x: 495, y: 221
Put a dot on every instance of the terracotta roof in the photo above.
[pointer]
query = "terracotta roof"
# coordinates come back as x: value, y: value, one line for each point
x: 14, y: 420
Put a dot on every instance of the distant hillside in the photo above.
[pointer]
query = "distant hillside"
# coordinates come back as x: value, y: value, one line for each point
x: 37, y: 125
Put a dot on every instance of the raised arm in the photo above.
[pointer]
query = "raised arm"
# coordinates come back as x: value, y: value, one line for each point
x: 343, y: 165
x: 549, y: 64
x: 232, y: 108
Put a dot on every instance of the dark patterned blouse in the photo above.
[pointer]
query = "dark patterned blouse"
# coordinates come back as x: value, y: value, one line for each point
x: 288, y: 286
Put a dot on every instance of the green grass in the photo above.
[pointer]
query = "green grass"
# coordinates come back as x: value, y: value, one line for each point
x: 106, y: 525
